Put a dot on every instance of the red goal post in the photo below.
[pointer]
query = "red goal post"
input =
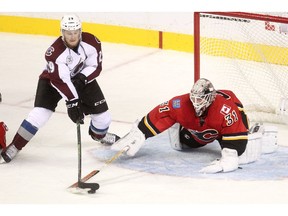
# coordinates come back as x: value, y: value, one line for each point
x: 246, y: 53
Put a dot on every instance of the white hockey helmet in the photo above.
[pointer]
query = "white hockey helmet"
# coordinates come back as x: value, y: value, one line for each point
x: 70, y: 22
x: 202, y: 95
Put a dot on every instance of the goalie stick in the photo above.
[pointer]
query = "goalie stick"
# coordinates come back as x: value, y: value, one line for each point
x: 94, y: 172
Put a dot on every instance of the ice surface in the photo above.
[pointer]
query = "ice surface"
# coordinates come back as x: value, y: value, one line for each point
x: 134, y: 80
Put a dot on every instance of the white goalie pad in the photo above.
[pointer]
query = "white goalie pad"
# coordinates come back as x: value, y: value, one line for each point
x: 264, y: 141
x: 269, y: 139
x: 134, y: 140
x: 227, y: 163
x: 174, y: 139
x: 283, y: 107
x: 253, y: 149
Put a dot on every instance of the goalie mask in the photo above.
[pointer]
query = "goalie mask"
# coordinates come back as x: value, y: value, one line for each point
x: 202, y: 95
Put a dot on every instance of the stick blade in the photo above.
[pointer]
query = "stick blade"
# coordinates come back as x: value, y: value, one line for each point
x: 92, y: 186
x: 85, y: 178
x: 84, y: 188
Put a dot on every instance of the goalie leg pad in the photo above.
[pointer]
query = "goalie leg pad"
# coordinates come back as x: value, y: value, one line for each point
x: 134, y: 140
x: 173, y: 133
x: 269, y: 139
x: 253, y: 149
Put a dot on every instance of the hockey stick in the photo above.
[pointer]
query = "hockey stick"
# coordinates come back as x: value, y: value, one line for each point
x: 81, y: 184
x: 94, y: 172
x: 113, y: 158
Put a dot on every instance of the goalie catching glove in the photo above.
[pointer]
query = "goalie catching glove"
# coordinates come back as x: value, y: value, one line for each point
x: 134, y: 140
x: 227, y: 163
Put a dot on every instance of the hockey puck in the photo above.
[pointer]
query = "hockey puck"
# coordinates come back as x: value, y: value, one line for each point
x: 91, y: 191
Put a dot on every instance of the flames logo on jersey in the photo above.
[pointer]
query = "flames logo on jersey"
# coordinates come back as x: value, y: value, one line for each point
x: 205, y: 136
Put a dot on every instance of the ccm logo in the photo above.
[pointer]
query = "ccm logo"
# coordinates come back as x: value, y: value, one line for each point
x: 100, y: 102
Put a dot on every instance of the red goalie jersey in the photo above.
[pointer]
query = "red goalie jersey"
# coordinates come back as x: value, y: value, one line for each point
x: 224, y: 120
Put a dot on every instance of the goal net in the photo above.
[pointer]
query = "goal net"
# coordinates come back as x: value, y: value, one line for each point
x: 248, y: 54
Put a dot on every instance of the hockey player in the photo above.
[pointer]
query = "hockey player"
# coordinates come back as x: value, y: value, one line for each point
x: 197, y: 119
x: 3, y: 130
x: 74, y: 60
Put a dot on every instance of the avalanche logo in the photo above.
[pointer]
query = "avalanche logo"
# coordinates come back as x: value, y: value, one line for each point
x: 50, y: 51
x: 176, y: 104
x: 69, y: 59
x: 225, y: 110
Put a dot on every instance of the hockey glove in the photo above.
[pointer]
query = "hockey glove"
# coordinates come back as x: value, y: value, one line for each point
x: 227, y: 163
x: 74, y: 111
x: 79, y: 81
x: 134, y: 140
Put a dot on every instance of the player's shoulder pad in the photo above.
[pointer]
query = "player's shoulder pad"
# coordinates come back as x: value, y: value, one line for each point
x: 55, y: 49
x: 90, y: 39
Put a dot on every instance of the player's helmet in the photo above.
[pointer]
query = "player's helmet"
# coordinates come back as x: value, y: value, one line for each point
x: 202, y: 95
x: 70, y: 22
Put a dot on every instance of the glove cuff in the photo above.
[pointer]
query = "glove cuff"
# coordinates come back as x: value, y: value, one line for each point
x: 72, y: 103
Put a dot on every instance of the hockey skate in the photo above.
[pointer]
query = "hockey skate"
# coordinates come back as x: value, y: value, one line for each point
x: 109, y: 138
x: 8, y: 154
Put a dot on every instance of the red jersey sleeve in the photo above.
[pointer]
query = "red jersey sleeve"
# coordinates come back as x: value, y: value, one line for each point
x: 166, y: 114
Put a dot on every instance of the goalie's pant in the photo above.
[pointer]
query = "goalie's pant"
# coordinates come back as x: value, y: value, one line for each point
x: 180, y: 138
x: 262, y: 142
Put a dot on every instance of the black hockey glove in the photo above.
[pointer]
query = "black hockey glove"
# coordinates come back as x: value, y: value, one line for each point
x: 79, y: 81
x: 74, y: 111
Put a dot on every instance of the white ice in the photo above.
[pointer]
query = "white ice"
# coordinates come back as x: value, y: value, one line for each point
x: 134, y: 80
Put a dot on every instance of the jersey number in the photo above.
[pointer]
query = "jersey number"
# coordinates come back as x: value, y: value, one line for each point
x: 231, y: 118
x: 100, y: 56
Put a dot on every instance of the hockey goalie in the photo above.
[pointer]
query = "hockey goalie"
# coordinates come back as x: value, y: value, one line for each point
x: 199, y: 118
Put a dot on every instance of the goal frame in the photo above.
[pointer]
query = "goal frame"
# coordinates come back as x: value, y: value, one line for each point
x: 197, y: 33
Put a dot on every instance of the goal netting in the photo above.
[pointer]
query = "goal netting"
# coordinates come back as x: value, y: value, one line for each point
x: 248, y: 54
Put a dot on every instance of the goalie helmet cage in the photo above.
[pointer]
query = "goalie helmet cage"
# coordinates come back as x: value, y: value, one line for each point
x: 248, y: 54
